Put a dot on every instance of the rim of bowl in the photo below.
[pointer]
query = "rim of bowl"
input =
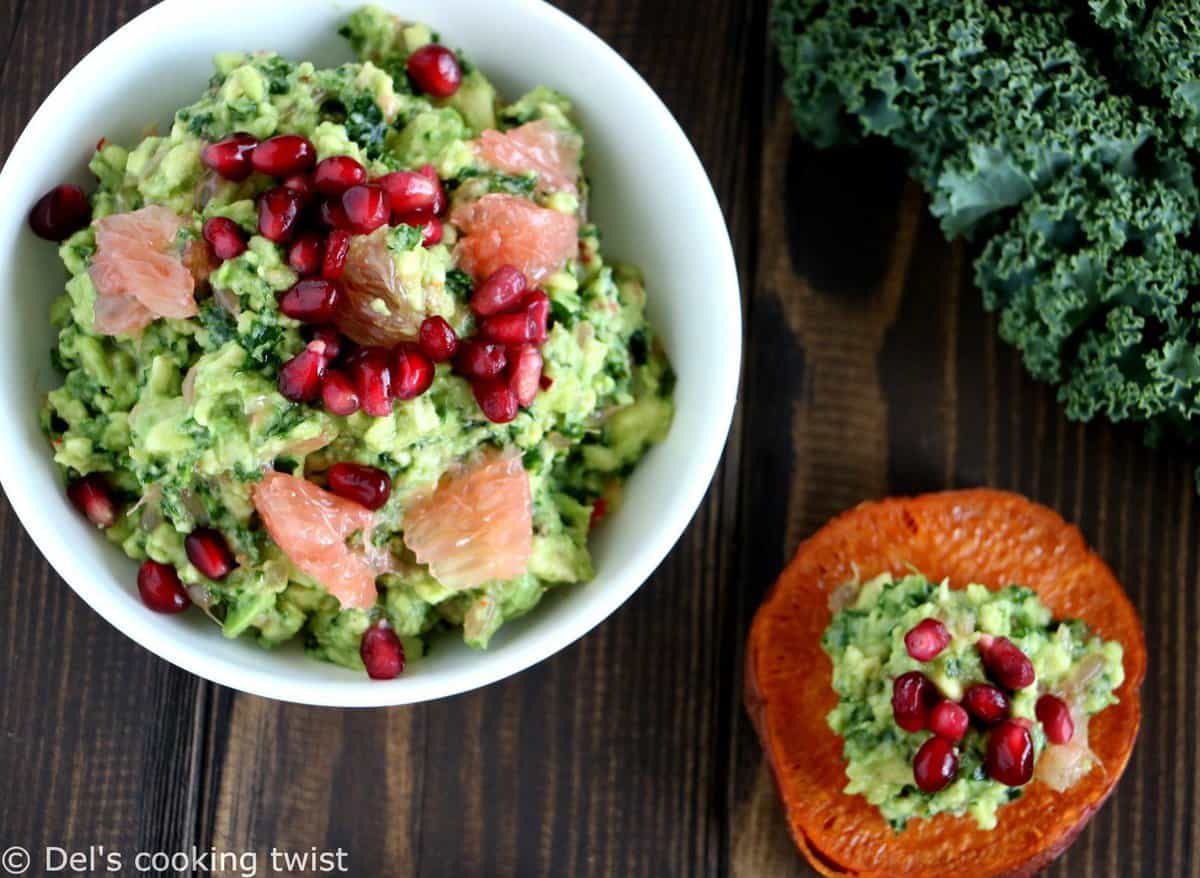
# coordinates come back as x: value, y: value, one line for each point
x: 535, y: 645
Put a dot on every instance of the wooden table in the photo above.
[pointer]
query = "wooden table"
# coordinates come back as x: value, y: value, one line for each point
x: 871, y: 369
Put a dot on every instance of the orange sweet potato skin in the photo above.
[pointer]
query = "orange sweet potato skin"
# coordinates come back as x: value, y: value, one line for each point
x: 991, y: 537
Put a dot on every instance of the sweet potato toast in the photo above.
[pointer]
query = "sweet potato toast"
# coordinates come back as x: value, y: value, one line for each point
x: 990, y: 537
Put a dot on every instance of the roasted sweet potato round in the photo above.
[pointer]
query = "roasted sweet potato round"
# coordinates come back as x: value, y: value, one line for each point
x: 990, y: 537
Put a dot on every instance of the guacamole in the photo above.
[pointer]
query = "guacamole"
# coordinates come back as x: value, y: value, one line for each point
x: 866, y: 641
x: 181, y: 413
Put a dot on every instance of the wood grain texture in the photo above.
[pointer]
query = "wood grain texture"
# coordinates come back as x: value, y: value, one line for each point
x: 870, y: 369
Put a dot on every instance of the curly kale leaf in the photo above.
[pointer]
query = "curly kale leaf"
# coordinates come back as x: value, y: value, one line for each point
x: 1122, y: 16
x: 1162, y: 56
x: 1094, y: 284
x: 991, y: 101
x: 1093, y: 263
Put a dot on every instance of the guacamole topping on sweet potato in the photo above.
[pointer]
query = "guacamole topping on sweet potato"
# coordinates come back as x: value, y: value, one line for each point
x: 342, y: 357
x: 951, y: 700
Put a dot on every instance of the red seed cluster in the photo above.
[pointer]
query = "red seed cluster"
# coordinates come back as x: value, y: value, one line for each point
x: 917, y: 705
x: 318, y: 206
x: 503, y: 361
x: 315, y: 211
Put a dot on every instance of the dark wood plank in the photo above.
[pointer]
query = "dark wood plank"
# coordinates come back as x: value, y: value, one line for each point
x: 98, y: 735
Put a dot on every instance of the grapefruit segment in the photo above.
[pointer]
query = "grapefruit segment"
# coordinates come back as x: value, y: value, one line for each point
x: 535, y: 146
x: 990, y: 537
x: 138, y: 271
x: 503, y: 230
x: 370, y: 275
x: 477, y: 525
x: 311, y: 526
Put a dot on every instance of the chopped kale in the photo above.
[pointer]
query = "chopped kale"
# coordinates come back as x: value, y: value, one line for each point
x: 366, y: 126
x: 458, y: 282
x: 404, y: 237
x: 219, y: 324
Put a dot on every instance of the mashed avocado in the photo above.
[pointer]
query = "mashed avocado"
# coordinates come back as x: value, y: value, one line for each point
x: 866, y: 642
x: 184, y: 417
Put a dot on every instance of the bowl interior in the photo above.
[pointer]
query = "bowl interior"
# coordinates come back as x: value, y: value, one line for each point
x: 651, y: 198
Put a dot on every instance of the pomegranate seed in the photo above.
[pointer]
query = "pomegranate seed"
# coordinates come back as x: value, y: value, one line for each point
x: 438, y: 339
x: 480, y: 360
x: 365, y: 485
x: 338, y: 394
x: 304, y: 256
x: 337, y: 246
x: 547, y: 382
x: 537, y: 306
x: 366, y: 208
x: 278, y: 210
x: 231, y: 157
x: 412, y: 372
x: 432, y: 233
x: 331, y: 338
x: 913, y: 696
x: 1055, y: 717
x: 209, y: 553
x: 1006, y: 664
x: 509, y: 329
x: 302, y: 185
x: 498, y: 403
x: 284, y: 155
x: 60, y: 213
x: 225, y: 237
x: 338, y: 173
x: 382, y: 652
x: 312, y: 301
x: 372, y: 376
x: 500, y: 292
x: 431, y: 227
x: 413, y: 195
x: 160, y: 588
x: 92, y: 496
x: 435, y: 70
x: 1009, y: 757
x: 300, y: 377
x: 525, y: 374
x: 949, y: 720
x: 986, y: 703
x: 599, y: 510
x: 926, y: 640
x: 333, y: 216
x: 935, y: 765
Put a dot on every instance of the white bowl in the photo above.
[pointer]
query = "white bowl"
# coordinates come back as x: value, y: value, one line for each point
x: 652, y: 200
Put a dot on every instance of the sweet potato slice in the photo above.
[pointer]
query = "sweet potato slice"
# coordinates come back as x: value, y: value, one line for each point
x: 990, y: 537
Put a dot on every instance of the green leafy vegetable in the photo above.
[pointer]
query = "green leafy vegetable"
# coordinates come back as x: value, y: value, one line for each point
x: 1082, y: 196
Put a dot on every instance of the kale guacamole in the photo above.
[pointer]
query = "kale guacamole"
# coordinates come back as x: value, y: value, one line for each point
x: 343, y: 360
x: 949, y: 698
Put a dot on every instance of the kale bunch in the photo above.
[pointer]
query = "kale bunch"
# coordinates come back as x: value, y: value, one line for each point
x: 1158, y: 50
x: 1081, y: 198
